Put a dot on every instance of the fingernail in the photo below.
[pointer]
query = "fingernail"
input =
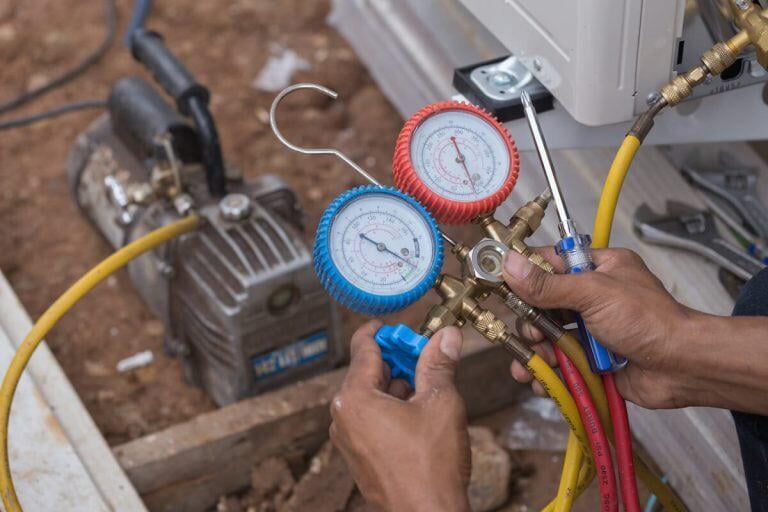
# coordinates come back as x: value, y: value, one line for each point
x: 517, y: 265
x: 450, y: 343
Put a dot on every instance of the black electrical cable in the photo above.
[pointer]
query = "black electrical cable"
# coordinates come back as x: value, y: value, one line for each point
x: 110, y: 17
x: 141, y: 10
x: 50, y: 114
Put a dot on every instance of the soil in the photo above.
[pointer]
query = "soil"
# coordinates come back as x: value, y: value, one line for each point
x: 46, y: 243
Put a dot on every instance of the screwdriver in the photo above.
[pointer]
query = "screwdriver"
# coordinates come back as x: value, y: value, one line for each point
x: 573, y: 247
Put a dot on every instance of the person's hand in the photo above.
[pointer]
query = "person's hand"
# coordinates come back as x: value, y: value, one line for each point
x: 626, y: 308
x: 407, y: 451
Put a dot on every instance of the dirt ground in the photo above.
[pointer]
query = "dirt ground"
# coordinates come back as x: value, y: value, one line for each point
x: 45, y: 242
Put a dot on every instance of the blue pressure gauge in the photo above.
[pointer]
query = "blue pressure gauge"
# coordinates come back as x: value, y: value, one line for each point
x: 377, y: 250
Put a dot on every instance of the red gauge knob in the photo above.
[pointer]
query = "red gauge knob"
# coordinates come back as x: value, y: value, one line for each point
x: 457, y: 160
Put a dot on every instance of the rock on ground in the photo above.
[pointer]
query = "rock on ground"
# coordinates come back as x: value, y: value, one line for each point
x: 325, y: 487
x: 491, y: 470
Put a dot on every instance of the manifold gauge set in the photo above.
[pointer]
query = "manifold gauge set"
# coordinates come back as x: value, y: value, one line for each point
x: 379, y: 249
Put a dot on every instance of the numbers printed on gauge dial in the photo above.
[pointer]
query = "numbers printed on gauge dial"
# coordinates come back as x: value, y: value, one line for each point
x: 455, y: 159
x: 381, y: 244
x: 460, y: 156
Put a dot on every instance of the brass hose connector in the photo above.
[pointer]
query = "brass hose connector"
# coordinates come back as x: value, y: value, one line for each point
x: 529, y: 313
x: 754, y: 25
x: 495, y: 331
x: 489, y: 326
x: 644, y: 122
x: 537, y: 259
x: 517, y: 348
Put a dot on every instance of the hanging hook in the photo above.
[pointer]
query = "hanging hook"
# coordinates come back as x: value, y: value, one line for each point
x: 312, y: 151
x: 321, y: 151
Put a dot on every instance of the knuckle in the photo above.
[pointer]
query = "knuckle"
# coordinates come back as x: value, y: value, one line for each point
x: 337, y: 405
x: 627, y: 256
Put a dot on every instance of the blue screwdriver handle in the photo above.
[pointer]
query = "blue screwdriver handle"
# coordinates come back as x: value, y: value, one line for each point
x: 577, y: 256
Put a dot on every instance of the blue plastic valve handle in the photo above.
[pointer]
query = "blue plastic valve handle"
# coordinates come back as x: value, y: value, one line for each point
x: 400, y: 349
x: 576, y: 254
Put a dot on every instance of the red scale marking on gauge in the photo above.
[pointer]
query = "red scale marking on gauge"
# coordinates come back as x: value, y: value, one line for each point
x: 374, y: 234
x: 496, y: 183
x: 451, y: 148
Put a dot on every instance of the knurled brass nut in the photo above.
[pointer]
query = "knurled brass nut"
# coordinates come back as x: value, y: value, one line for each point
x: 487, y: 324
x: 718, y: 58
x: 538, y: 260
x: 676, y: 90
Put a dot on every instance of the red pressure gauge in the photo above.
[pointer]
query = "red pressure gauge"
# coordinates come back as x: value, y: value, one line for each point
x: 455, y: 159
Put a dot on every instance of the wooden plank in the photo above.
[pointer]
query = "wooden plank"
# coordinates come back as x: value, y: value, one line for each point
x: 188, y: 466
x: 57, y: 453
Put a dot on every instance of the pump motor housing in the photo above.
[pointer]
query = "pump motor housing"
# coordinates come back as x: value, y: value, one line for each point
x: 238, y: 297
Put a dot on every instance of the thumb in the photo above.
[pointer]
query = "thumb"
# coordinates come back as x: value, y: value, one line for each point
x: 437, y: 363
x: 550, y: 291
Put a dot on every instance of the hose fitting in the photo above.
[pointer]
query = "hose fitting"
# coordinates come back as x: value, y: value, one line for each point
x: 644, y: 121
x: 754, y: 30
x: 529, y: 313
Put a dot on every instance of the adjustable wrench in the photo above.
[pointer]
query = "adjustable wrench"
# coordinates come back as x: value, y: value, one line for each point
x: 738, y: 188
x: 694, y: 230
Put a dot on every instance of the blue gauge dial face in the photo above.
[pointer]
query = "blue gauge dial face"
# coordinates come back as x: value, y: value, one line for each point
x: 381, y: 244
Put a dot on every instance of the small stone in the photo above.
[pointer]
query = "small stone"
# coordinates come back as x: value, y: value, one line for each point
x: 262, y: 115
x: 491, y: 470
x: 272, y: 475
x: 154, y: 328
x: 96, y: 368
x: 326, y: 487
x: 37, y: 80
x: 7, y: 33
x: 228, y: 504
x: 105, y: 395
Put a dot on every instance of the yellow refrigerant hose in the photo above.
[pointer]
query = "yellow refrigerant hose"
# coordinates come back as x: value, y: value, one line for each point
x: 611, y: 188
x: 52, y: 315
x: 578, y: 466
x: 600, y: 239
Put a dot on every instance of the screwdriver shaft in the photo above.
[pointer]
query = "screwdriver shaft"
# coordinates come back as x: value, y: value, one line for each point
x: 566, y: 224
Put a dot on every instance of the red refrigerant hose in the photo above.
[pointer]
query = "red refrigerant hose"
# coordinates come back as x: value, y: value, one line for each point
x: 623, y: 445
x: 597, y: 439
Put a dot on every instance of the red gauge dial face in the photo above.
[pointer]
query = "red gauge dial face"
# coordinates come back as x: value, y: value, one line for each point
x: 457, y: 160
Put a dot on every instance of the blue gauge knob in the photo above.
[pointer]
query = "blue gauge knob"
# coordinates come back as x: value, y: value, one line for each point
x: 377, y: 250
x: 400, y: 349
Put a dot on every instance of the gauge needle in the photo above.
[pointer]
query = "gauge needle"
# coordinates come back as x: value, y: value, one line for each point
x: 463, y: 162
x: 382, y: 247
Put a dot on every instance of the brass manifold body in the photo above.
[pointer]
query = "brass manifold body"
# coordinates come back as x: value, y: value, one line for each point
x: 462, y: 297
